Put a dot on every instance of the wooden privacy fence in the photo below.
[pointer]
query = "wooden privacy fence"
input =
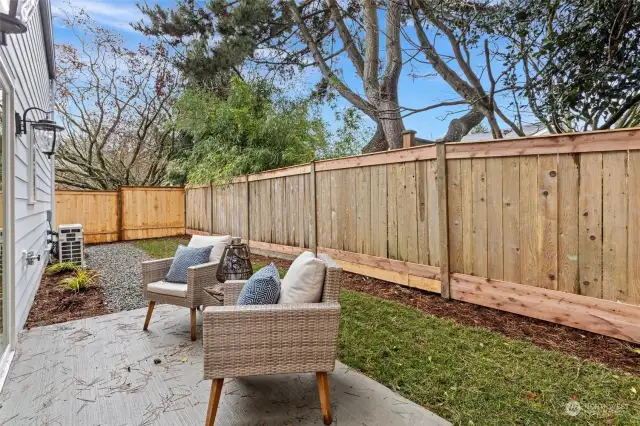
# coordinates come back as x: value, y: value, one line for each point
x: 547, y: 227
x: 130, y: 213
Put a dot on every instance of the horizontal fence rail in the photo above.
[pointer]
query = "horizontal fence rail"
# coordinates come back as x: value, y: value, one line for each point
x: 130, y: 213
x: 547, y: 227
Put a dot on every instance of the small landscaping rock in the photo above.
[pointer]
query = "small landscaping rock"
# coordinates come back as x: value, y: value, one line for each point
x: 120, y: 269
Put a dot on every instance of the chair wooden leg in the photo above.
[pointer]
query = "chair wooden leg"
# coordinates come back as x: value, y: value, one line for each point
x: 214, y: 400
x: 149, y: 312
x: 193, y: 324
x: 325, y: 401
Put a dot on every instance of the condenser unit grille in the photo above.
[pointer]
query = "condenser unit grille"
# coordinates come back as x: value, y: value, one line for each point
x: 71, y: 243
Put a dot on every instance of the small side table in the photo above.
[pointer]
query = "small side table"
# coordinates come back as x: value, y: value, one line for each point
x: 215, y: 295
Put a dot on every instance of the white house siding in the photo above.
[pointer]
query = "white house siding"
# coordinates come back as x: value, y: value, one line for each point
x: 26, y: 60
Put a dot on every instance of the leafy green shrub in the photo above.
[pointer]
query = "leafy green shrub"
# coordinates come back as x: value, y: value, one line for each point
x: 58, y: 268
x: 81, y: 281
x: 256, y: 127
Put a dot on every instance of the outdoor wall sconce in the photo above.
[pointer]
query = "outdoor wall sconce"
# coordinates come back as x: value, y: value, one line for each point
x: 44, y: 131
x: 14, y: 15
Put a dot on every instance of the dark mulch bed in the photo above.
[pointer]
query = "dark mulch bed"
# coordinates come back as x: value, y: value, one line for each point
x: 582, y: 344
x: 54, y: 305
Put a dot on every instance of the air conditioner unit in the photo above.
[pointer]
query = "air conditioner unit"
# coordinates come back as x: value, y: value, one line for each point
x: 71, y: 243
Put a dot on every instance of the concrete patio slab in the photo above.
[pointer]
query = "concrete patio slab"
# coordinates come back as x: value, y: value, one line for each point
x: 101, y: 371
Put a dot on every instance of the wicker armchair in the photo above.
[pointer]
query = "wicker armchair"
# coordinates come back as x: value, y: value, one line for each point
x: 190, y: 295
x: 259, y: 340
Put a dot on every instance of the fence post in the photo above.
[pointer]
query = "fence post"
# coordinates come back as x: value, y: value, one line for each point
x: 210, y: 207
x: 443, y: 214
x: 408, y: 138
x: 247, y: 225
x: 184, y: 215
x: 120, y: 213
x: 313, y: 238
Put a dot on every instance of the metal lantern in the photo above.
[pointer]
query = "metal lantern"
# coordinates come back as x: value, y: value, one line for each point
x: 235, y: 263
x: 14, y: 16
x: 44, y: 131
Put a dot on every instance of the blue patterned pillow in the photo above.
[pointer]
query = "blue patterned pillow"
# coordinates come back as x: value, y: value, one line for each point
x: 263, y: 288
x: 183, y: 259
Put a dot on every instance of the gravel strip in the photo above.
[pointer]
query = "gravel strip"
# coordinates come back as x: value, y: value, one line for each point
x: 120, y: 269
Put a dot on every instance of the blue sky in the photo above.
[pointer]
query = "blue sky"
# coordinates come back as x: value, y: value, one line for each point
x: 414, y: 93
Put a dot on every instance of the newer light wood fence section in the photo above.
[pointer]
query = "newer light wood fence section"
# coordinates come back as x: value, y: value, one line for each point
x: 130, y: 213
x: 97, y: 211
x: 547, y: 227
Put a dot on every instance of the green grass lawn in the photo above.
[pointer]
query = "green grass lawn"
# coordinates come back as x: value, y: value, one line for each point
x: 467, y: 375
x: 257, y: 266
x: 161, y: 248
x: 473, y: 376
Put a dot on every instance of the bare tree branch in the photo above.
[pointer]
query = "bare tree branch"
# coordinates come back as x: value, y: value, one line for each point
x: 114, y: 103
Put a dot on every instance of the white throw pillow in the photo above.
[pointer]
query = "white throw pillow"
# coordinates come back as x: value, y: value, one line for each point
x: 218, y: 243
x: 304, y: 280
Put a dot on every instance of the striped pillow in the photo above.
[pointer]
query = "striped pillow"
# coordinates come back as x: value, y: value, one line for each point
x: 263, y: 288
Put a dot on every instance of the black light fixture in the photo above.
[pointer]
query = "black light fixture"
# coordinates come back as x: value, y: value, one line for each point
x: 14, y: 15
x: 44, y: 131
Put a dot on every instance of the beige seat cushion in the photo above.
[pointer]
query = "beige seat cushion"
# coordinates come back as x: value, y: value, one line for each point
x: 168, y: 289
x: 218, y: 243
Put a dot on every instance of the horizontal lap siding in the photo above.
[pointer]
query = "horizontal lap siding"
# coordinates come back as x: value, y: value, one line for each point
x: 24, y: 57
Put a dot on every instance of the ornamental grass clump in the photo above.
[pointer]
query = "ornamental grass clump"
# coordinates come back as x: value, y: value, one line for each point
x: 58, y: 268
x: 80, y: 281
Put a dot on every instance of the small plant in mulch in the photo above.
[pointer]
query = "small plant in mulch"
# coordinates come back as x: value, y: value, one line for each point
x: 82, y: 279
x: 67, y: 292
x: 59, y: 268
x: 74, y: 300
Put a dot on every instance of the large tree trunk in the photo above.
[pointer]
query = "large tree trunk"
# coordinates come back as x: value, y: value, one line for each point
x: 391, y: 123
x: 388, y: 107
x: 460, y: 127
x: 377, y: 143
